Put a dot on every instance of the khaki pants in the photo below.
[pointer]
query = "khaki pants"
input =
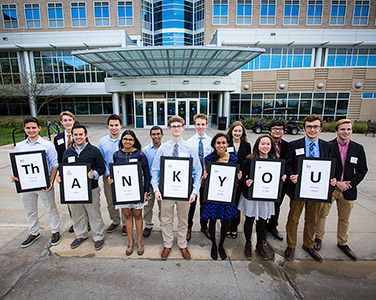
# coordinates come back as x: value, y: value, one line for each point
x: 81, y: 213
x: 167, y: 222
x: 344, y: 208
x: 148, y: 210
x: 114, y: 213
x: 312, y: 210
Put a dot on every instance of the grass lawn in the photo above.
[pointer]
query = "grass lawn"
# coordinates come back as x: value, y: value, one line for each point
x: 6, y: 135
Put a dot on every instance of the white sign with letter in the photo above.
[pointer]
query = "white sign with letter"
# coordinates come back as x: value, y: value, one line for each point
x: 75, y: 186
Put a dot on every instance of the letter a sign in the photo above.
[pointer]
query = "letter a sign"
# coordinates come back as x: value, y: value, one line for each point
x: 314, y: 179
x: 75, y: 186
x: 176, y: 178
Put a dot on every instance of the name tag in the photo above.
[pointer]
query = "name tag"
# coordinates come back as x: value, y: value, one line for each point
x: 133, y: 160
x: 183, y: 154
x: 230, y: 149
x: 299, y: 151
x: 71, y: 159
x: 61, y: 141
x: 353, y: 160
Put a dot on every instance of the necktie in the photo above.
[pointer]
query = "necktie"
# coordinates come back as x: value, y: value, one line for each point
x: 175, y: 153
x: 201, y: 153
x: 311, y: 149
x: 277, y: 151
x: 69, y: 141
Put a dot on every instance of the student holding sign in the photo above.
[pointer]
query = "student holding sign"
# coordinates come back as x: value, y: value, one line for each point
x: 213, y: 211
x: 259, y: 210
x: 131, y: 152
x: 30, y: 199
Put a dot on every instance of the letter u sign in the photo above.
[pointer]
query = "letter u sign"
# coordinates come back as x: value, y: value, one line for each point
x: 313, y: 177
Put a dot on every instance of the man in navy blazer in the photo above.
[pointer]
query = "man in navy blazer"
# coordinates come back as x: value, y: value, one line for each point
x: 64, y: 140
x: 309, y: 146
x: 351, y: 168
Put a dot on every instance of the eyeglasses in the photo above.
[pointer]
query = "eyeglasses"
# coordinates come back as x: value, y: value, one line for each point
x: 155, y: 134
x: 316, y: 127
x: 277, y: 129
x: 176, y: 126
x: 128, y: 140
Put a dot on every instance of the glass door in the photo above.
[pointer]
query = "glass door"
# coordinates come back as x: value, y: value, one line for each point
x: 155, y: 113
x: 149, y: 113
x: 182, y: 110
x: 192, y: 111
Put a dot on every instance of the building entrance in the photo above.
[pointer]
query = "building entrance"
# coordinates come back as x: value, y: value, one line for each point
x: 155, y: 113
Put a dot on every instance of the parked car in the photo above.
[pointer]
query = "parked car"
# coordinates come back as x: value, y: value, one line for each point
x: 291, y: 127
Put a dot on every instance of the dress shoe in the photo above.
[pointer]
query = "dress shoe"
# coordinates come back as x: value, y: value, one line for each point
x: 112, y: 228
x: 206, y: 232
x: 165, y: 253
x: 71, y: 229
x: 289, y: 253
x: 214, y: 252
x: 261, y: 251
x: 146, y: 232
x: 185, y: 253
x: 317, y: 244
x: 274, y: 232
x: 189, y: 234
x: 346, y: 249
x: 248, y: 250
x: 313, y: 253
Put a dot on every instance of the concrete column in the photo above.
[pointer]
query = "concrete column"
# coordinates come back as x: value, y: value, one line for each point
x: 115, y: 103
x: 318, y: 57
x: 226, y: 107
x: 220, y: 105
x: 124, y: 109
x: 28, y: 79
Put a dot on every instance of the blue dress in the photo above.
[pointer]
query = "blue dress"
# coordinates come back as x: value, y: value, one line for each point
x: 222, y: 212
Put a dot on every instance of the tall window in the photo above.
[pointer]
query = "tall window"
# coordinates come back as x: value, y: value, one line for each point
x: 361, y: 11
x: 125, y: 13
x: 244, y: 12
x: 55, y: 15
x: 314, y: 12
x: 291, y: 12
x: 147, y: 11
x: 267, y: 13
x: 199, y: 13
x: 78, y: 10
x: 102, y: 13
x: 220, y: 12
x: 32, y: 14
x: 338, y: 12
x: 10, y: 18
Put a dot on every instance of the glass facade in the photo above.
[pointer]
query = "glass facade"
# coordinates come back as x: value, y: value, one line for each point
x: 330, y: 106
x: 361, y: 11
x: 342, y: 57
x: 291, y: 12
x: 244, y: 12
x: 78, y: 11
x: 102, y: 13
x: 267, y: 12
x: 125, y: 13
x: 32, y: 15
x: 314, y: 12
x: 9, y: 69
x: 337, y: 12
x: 10, y: 18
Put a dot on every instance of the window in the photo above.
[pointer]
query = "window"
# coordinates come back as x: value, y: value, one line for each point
x: 369, y: 95
x: 146, y: 11
x: 267, y: 13
x: 361, y: 11
x: 10, y: 72
x: 199, y: 13
x: 244, y: 12
x: 343, y: 57
x: 220, y: 12
x: 338, y: 12
x: 102, y: 13
x: 78, y: 10
x: 55, y: 15
x: 291, y: 12
x: 32, y: 14
x: 314, y: 12
x: 10, y: 18
x: 125, y: 13
x: 199, y: 39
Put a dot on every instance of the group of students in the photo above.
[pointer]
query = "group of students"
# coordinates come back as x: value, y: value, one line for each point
x: 72, y: 146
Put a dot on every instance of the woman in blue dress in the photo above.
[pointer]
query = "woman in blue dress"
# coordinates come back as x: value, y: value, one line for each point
x: 213, y: 211
x: 130, y: 151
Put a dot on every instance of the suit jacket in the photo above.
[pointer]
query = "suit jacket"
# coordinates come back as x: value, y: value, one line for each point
x: 284, y: 149
x: 60, y: 148
x: 244, y: 150
x: 292, y: 160
x: 355, y: 167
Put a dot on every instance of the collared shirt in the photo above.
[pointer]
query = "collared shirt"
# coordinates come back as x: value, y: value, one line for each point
x: 343, y: 149
x: 150, y: 151
x: 206, y: 142
x: 40, y: 144
x: 185, y: 150
x: 316, y: 148
x: 108, y: 147
x: 78, y: 151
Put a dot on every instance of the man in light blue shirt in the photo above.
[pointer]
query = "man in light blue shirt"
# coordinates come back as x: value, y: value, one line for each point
x: 108, y: 145
x: 175, y: 147
x: 156, y: 135
x: 30, y: 199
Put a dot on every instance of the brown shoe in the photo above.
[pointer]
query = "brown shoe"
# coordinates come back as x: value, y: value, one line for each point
x: 206, y: 232
x: 146, y: 232
x: 317, y: 244
x: 346, y: 249
x: 248, y: 250
x: 112, y: 228
x: 185, y: 253
x: 165, y: 253
x: 313, y: 253
x: 289, y: 253
x: 189, y: 234
x: 261, y: 251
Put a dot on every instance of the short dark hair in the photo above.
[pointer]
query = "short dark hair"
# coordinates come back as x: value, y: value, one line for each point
x: 31, y: 120
x: 78, y: 127
x: 114, y: 117
x: 156, y: 128
x: 312, y: 118
x: 274, y: 123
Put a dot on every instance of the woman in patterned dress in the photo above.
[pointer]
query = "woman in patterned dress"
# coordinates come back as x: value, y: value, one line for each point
x: 213, y: 211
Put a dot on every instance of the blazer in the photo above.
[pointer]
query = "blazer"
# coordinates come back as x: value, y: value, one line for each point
x: 284, y: 149
x: 244, y: 150
x: 60, y: 148
x: 292, y: 160
x: 355, y: 167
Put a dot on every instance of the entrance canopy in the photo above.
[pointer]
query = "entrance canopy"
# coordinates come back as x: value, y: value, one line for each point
x: 163, y: 60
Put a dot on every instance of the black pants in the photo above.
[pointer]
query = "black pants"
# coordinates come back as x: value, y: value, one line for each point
x: 234, y: 223
x: 260, y: 229
x: 192, y: 209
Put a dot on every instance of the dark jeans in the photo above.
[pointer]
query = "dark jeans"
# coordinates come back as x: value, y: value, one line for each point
x: 273, y: 221
x: 192, y: 209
